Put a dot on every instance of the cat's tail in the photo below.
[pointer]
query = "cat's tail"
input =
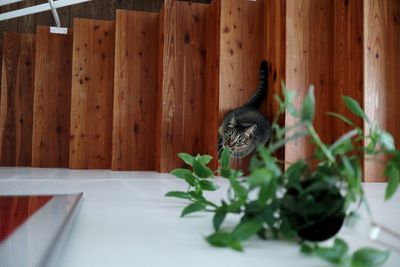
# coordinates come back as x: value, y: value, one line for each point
x: 256, y: 100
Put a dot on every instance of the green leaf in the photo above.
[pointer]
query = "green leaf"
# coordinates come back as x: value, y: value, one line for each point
x: 348, y: 167
x: 201, y: 170
x: 236, y: 245
x: 186, y: 175
x: 269, y: 161
x: 198, y: 196
x: 287, y: 231
x: 289, y: 96
x: 225, y: 172
x: 204, y: 159
x: 392, y: 172
x: 369, y: 257
x: 178, y: 194
x: 268, y: 191
x: 308, y: 108
x: 386, y: 140
x: 334, y: 254
x: 240, y: 190
x: 225, y: 158
x: 246, y: 229
x: 296, y: 171
x: 219, y: 217
x: 188, y: 159
x: 181, y: 173
x: 260, y: 177
x: 343, y: 118
x: 307, y: 248
x: 194, y: 207
x: 208, y: 185
x: 354, y: 107
x: 220, y: 239
x: 344, y: 144
x: 292, y: 110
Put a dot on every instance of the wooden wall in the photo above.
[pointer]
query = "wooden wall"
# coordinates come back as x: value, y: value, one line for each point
x: 324, y: 48
x: 382, y: 71
x: 183, y: 81
x: 92, y: 94
x: 135, y: 91
x: 275, y: 53
x: 97, y: 9
x: 17, y: 99
x: 193, y: 63
x: 241, y: 51
x: 211, y: 91
x: 52, y: 99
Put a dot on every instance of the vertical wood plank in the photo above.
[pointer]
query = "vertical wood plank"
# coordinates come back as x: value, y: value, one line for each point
x: 182, y: 115
x: 275, y: 53
x: 309, y: 49
x: 17, y: 99
x: 242, y: 49
x: 92, y: 94
x: 8, y: 25
x: 160, y: 81
x: 26, y: 23
x: 135, y: 93
x: 52, y: 99
x: 211, y: 109
x: 348, y: 60
x: 382, y: 68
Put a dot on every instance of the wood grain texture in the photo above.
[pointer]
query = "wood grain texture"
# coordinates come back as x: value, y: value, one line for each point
x: 92, y: 94
x: 348, y: 62
x: 211, y: 109
x: 135, y: 93
x: 16, y: 106
x: 183, y: 81
x: 52, y: 99
x: 160, y: 81
x: 6, y: 26
x: 275, y: 53
x: 382, y: 69
x: 309, y: 49
x: 26, y: 23
x: 241, y: 51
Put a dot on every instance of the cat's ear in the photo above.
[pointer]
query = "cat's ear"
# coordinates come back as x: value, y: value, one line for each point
x: 232, y: 122
x: 250, y: 131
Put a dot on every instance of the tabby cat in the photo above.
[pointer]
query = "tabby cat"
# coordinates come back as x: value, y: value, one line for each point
x: 244, y: 128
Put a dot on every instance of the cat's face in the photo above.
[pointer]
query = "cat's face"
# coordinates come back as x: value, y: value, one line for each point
x: 240, y: 141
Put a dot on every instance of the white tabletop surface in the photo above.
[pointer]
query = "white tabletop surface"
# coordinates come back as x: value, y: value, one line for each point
x: 125, y: 220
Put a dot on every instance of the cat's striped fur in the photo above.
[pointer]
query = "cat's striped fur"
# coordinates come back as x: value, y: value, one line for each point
x: 244, y: 128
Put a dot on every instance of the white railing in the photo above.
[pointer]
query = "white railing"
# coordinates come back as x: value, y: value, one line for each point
x: 7, y: 2
x: 50, y: 5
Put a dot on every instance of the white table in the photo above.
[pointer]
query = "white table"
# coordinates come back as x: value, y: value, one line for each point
x: 125, y: 220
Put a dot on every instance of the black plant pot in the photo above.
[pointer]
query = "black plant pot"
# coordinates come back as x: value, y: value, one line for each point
x: 315, y: 209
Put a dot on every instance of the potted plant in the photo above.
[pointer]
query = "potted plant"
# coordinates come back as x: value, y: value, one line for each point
x: 310, y: 200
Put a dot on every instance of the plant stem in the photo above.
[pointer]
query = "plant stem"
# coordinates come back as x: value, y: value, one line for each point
x: 281, y: 143
x: 319, y: 142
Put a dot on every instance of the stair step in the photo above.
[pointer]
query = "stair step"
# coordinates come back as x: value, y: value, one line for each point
x: 92, y: 94
x: 183, y: 59
x: 52, y: 99
x: 17, y: 99
x: 135, y: 91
